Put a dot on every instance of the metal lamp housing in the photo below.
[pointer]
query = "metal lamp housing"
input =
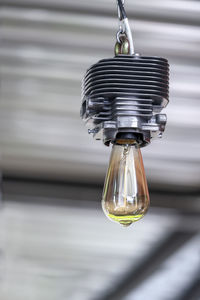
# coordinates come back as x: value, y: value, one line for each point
x: 124, y: 95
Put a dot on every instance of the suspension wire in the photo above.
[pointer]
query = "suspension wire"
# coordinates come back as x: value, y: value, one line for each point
x: 121, y: 11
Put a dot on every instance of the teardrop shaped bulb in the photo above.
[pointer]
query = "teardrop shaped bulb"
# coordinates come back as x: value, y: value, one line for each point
x: 125, y: 195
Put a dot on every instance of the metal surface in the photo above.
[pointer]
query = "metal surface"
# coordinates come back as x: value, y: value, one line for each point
x: 45, y: 48
x: 125, y: 95
x: 175, y: 276
x: 52, y: 252
x: 193, y: 292
x: 146, y: 269
x: 56, y: 243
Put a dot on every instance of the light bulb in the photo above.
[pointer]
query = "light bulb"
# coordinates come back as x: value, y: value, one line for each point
x: 125, y: 195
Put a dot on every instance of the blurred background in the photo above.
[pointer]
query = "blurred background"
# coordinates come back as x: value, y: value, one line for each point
x: 55, y: 242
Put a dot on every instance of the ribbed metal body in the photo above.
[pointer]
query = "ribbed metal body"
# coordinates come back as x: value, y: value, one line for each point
x: 126, y: 94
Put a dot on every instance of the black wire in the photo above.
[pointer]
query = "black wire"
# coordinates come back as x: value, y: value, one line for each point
x: 122, y: 10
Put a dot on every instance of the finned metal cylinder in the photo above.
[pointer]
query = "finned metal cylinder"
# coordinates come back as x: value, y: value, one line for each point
x: 126, y: 94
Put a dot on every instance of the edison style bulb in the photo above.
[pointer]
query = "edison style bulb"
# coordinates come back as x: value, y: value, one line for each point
x: 125, y: 195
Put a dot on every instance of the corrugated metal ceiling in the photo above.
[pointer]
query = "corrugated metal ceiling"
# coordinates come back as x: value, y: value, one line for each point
x: 45, y: 49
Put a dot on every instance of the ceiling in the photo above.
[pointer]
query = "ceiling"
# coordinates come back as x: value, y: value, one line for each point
x: 55, y: 242
x: 62, y: 248
x: 47, y: 45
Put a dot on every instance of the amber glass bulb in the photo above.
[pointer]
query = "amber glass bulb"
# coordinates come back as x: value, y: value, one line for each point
x: 125, y: 195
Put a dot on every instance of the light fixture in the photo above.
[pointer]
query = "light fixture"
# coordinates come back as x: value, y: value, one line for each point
x: 122, y: 98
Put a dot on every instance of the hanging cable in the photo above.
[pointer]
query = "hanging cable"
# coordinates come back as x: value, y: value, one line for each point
x: 121, y: 11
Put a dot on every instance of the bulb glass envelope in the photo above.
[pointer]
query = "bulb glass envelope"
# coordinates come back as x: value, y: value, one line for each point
x: 125, y: 196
